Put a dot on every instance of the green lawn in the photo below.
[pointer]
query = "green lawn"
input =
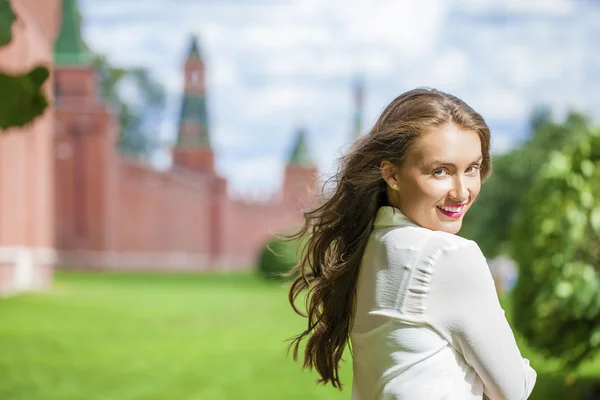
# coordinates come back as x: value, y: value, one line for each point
x: 121, y: 337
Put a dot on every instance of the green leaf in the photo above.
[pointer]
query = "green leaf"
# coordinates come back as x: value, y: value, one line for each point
x: 587, y: 168
x: 595, y: 338
x: 564, y: 289
x: 22, y: 98
x: 587, y: 200
x: 548, y: 226
x: 589, y: 274
x: 560, y: 163
x: 7, y: 17
x: 595, y: 219
x: 585, y: 148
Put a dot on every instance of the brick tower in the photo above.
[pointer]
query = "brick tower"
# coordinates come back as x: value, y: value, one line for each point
x: 193, y: 150
x: 27, y: 255
x: 300, y: 174
x: 84, y: 144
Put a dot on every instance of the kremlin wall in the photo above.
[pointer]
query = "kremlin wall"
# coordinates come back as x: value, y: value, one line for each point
x: 69, y: 199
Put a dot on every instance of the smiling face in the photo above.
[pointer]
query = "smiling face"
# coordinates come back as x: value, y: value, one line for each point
x: 439, y: 179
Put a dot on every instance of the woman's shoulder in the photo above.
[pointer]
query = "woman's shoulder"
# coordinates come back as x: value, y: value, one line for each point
x: 457, y: 248
x: 431, y: 248
x: 449, y: 241
x: 415, y: 236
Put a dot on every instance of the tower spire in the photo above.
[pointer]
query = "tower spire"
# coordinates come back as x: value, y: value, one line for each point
x: 358, y: 105
x: 193, y: 121
x: 300, y: 172
x: 69, y: 49
x: 300, y: 155
x: 193, y: 150
x: 194, y: 53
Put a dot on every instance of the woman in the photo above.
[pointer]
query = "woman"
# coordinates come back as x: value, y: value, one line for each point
x: 384, y: 268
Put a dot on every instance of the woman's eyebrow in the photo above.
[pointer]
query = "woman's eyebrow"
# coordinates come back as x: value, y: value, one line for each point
x: 450, y: 164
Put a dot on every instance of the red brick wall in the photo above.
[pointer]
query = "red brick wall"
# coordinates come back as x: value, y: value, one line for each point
x: 85, y: 159
x: 249, y: 226
x: 176, y: 220
x: 253, y: 227
x: 26, y: 163
x: 201, y: 161
x: 299, y: 186
x: 161, y: 211
x: 161, y: 220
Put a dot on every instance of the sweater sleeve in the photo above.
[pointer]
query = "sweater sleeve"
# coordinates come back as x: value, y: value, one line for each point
x: 462, y: 305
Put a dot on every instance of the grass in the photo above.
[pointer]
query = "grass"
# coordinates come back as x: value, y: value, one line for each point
x: 211, y: 337
x: 122, y: 337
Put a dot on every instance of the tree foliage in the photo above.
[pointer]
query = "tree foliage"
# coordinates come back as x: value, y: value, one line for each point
x: 557, y: 247
x: 139, y: 101
x: 21, y: 96
x: 490, y: 219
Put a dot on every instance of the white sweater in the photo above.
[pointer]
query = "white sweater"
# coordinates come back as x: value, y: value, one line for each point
x: 428, y: 323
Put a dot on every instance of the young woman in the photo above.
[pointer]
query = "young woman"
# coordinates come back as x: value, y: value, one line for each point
x: 384, y: 268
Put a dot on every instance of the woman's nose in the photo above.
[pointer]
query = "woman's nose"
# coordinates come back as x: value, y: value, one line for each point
x: 459, y: 190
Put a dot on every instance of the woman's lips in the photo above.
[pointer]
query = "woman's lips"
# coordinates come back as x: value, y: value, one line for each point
x: 452, y: 214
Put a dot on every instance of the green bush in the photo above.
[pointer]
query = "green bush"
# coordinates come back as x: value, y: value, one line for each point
x: 278, y: 257
x: 557, y: 247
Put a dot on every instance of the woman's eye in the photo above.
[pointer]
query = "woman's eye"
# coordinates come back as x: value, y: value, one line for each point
x: 473, y: 169
x: 440, y: 172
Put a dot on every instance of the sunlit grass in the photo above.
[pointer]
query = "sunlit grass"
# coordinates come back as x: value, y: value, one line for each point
x: 122, y: 336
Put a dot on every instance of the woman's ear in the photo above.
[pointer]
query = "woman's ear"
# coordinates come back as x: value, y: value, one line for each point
x: 388, y: 173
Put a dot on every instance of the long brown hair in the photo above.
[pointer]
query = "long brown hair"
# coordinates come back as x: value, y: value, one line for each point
x: 338, y: 230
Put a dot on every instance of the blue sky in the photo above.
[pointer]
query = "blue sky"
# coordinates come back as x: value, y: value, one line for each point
x: 273, y: 65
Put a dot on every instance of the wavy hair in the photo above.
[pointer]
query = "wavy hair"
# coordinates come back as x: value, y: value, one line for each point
x: 337, y: 231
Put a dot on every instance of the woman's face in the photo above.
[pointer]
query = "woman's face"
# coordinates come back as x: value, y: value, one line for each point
x: 439, y: 179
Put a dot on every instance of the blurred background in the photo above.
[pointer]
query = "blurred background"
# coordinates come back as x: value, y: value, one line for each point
x: 149, y: 150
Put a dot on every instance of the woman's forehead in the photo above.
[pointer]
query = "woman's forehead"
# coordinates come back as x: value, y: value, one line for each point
x: 449, y: 144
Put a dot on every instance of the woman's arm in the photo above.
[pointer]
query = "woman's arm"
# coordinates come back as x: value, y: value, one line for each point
x: 463, y: 306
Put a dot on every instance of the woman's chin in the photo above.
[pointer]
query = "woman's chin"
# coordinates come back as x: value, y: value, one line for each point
x: 452, y: 227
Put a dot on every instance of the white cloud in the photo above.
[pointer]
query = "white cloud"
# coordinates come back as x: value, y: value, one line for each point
x: 411, y: 28
x: 274, y: 64
x: 283, y: 36
x: 226, y: 74
x: 255, y: 175
x: 502, y: 142
x: 536, y: 7
x: 449, y: 70
x: 501, y: 104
